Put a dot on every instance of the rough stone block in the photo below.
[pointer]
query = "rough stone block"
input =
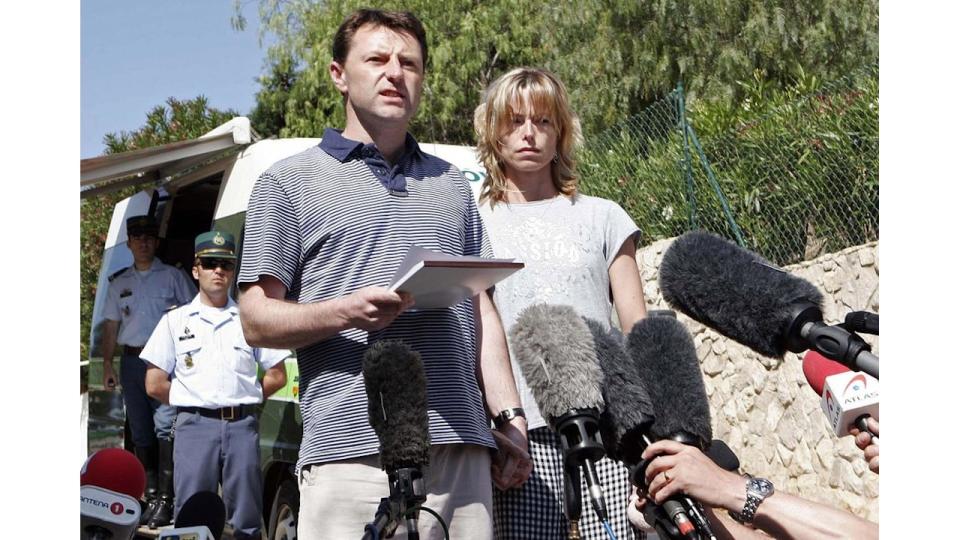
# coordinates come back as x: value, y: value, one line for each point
x: 802, y: 459
x: 825, y: 452
x: 787, y: 430
x: 786, y: 456
x: 712, y: 364
x: 775, y: 412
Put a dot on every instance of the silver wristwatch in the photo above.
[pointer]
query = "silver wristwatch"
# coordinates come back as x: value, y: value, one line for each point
x: 758, y: 489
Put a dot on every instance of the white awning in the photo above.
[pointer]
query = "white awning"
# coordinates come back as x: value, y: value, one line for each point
x: 157, y: 164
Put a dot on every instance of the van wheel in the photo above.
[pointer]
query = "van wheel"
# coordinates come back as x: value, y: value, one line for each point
x: 283, y: 515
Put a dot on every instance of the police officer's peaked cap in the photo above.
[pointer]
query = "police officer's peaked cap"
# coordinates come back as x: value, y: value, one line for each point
x: 215, y: 244
x: 138, y: 225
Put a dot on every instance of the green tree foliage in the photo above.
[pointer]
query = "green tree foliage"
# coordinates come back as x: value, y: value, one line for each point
x: 267, y: 117
x: 616, y: 56
x: 175, y: 121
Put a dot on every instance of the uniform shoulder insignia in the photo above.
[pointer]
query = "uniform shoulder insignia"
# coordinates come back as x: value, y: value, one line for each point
x: 117, y: 273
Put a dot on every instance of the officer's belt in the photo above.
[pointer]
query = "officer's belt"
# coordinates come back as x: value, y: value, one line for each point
x: 237, y: 412
x: 130, y: 351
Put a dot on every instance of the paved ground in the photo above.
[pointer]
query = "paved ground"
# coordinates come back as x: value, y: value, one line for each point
x: 143, y: 533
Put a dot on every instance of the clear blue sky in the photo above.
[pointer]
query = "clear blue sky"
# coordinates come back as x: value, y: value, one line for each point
x: 137, y: 53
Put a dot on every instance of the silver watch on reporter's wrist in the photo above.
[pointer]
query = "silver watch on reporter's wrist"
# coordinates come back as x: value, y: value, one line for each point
x: 758, y: 489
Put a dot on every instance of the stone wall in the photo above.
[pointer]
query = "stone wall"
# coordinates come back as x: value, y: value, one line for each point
x: 765, y: 410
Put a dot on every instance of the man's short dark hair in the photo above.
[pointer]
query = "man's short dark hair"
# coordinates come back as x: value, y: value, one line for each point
x: 398, y: 21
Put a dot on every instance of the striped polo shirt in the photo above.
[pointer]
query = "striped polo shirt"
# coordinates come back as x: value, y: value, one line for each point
x: 325, y: 225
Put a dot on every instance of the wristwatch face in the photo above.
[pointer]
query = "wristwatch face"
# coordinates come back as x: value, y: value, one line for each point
x: 762, y: 486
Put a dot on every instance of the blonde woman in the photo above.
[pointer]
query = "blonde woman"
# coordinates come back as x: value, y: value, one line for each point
x: 578, y: 250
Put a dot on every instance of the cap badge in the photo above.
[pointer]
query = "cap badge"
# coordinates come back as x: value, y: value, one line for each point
x: 218, y: 239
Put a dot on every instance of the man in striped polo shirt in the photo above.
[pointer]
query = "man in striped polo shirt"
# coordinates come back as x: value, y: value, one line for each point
x: 325, y: 231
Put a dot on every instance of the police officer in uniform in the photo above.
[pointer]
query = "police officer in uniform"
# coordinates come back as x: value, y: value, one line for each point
x: 136, y: 298
x: 215, y: 388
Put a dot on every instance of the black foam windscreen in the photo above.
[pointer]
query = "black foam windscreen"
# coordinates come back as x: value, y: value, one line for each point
x: 203, y: 509
x: 723, y: 455
x: 666, y: 361
x: 734, y: 291
x: 555, y: 351
x: 397, y: 404
x: 629, y: 411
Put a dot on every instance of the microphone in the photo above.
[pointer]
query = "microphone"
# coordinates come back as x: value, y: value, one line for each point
x: 746, y: 298
x: 629, y: 413
x: 626, y: 423
x: 106, y: 514
x: 201, y: 517
x: 111, y: 482
x: 723, y: 456
x: 555, y: 351
x: 396, y: 388
x: 666, y: 363
x: 862, y: 321
x: 667, y: 366
x: 116, y: 470
x: 847, y: 397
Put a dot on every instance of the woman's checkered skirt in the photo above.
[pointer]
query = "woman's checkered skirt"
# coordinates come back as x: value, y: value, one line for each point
x: 535, y: 510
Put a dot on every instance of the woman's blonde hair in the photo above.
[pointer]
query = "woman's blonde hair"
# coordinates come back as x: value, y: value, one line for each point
x: 542, y: 92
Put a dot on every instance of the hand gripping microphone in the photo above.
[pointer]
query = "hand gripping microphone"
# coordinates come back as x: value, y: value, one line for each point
x: 629, y: 415
x: 846, y: 397
x: 555, y: 351
x: 201, y: 517
x: 397, y: 408
x: 111, y: 482
x: 667, y: 366
x: 746, y: 298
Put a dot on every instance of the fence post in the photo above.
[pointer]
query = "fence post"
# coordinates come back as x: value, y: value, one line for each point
x: 716, y: 187
x: 688, y: 165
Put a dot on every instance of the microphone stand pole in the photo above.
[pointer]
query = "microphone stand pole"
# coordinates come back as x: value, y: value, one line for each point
x: 572, y: 501
x: 407, y: 493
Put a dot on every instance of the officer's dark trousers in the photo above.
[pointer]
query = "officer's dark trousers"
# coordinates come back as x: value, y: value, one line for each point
x: 147, y: 415
x: 208, y: 451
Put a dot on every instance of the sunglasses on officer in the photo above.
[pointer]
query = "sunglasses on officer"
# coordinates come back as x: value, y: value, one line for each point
x: 212, y: 264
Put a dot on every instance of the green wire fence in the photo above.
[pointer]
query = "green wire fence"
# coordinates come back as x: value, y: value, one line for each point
x: 787, y: 174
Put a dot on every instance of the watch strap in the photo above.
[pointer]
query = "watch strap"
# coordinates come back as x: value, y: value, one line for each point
x: 753, y: 500
x: 507, y: 415
x: 750, y: 508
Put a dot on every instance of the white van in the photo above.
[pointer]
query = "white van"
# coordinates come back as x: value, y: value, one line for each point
x: 193, y: 186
